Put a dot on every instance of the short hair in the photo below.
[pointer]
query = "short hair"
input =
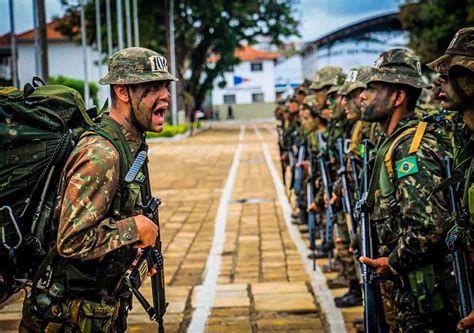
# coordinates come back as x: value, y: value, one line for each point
x: 412, y: 93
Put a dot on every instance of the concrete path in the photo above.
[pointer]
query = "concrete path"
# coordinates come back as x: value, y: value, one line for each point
x: 232, y: 261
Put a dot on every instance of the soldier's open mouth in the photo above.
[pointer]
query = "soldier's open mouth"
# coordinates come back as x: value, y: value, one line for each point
x: 159, y: 115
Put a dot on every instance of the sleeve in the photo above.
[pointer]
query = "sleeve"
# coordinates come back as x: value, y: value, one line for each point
x: 424, y: 218
x: 92, y: 174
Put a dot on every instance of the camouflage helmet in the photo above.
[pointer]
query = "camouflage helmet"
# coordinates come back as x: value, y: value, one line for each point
x: 399, y: 66
x: 308, y: 102
x: 135, y: 65
x: 325, y: 77
x: 354, y: 80
x: 338, y: 81
x: 460, y: 52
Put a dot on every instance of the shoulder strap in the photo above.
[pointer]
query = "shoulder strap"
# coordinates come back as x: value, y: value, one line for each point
x: 111, y: 131
x: 415, y: 145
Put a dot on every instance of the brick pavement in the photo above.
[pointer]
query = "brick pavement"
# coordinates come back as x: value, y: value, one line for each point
x: 262, y: 285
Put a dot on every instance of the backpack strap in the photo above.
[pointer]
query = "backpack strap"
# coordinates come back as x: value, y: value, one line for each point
x: 110, y: 130
x: 415, y: 145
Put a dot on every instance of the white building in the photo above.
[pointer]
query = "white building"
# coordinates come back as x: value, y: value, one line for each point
x: 251, y: 81
x: 288, y: 75
x: 65, y: 57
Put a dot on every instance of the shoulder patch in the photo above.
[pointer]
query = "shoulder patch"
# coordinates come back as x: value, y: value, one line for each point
x: 406, y: 166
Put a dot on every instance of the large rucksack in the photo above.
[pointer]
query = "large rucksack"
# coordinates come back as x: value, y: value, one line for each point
x: 39, y: 126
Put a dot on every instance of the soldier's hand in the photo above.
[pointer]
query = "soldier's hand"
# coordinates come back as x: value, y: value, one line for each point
x: 381, y: 266
x: 147, y: 230
x: 466, y: 322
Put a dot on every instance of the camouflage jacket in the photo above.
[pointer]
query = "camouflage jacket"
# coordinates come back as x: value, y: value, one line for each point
x: 464, y: 163
x: 88, y: 185
x: 411, y: 222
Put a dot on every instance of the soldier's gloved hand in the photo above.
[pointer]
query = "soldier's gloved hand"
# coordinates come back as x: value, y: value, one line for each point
x: 147, y: 230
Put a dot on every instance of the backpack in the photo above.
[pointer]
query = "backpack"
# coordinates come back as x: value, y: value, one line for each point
x: 39, y: 126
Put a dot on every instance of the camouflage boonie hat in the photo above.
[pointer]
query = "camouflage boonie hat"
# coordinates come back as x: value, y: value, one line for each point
x: 399, y: 66
x: 309, y: 102
x: 337, y: 83
x: 135, y: 65
x: 460, y: 52
x: 325, y: 77
x: 354, y: 80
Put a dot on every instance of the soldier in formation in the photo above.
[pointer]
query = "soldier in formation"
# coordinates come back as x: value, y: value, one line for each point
x: 370, y: 165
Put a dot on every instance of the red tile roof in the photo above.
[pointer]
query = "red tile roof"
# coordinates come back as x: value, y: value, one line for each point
x: 248, y: 53
x: 30, y: 34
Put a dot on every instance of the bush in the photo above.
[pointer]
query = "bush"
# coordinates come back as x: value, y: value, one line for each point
x: 78, y: 85
x: 169, y: 131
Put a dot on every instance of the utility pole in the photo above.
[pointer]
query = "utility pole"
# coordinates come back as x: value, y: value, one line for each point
x: 174, y: 106
x: 43, y: 40
x: 35, y: 29
x: 128, y: 23
x: 84, y: 53
x: 14, y: 45
x: 109, y: 28
x: 98, y: 28
x: 135, y: 23
x: 119, y: 24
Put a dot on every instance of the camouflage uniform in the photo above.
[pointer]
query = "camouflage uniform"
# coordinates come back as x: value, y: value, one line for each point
x: 95, y: 235
x: 460, y: 52
x: 412, y: 224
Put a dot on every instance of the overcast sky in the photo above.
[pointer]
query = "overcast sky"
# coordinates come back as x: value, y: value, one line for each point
x: 318, y: 17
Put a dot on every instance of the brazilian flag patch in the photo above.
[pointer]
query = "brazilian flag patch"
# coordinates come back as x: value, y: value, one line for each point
x: 361, y: 150
x: 406, y: 166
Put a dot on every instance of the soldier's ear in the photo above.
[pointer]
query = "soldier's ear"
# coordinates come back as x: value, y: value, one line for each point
x: 121, y: 92
x: 400, y: 97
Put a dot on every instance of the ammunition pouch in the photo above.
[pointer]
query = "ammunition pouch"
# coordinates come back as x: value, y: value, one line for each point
x: 423, y: 286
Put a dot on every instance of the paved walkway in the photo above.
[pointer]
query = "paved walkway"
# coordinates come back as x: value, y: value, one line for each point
x: 233, y: 262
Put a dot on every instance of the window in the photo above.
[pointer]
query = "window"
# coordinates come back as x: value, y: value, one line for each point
x: 257, y: 98
x: 229, y: 99
x: 256, y: 67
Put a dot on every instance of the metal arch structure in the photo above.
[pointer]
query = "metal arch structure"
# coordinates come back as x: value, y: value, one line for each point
x: 357, y: 31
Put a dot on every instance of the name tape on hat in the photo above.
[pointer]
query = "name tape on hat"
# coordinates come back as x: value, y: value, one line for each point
x: 378, y: 63
x: 158, y: 64
x: 453, y: 41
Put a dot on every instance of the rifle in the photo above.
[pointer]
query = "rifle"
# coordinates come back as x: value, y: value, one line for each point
x: 456, y: 243
x: 283, y: 162
x: 299, y: 174
x: 346, y: 197
x: 151, y: 257
x: 311, y: 213
x: 374, y: 318
x: 327, y: 191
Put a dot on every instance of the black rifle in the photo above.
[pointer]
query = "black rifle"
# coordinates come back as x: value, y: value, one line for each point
x: 311, y: 213
x: 346, y: 196
x: 374, y: 317
x: 283, y: 162
x: 298, y: 184
x: 456, y: 243
x: 151, y: 257
x: 327, y: 191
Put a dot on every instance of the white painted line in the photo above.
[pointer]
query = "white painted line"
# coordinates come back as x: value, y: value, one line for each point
x: 318, y: 280
x: 242, y: 132
x: 206, y: 294
x: 257, y: 133
x: 271, y: 130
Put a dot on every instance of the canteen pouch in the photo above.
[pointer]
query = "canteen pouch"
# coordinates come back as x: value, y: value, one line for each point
x: 423, y: 287
x: 97, y: 317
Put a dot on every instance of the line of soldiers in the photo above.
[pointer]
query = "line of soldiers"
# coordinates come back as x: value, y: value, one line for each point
x: 387, y: 182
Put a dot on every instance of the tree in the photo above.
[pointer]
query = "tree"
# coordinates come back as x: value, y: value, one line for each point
x: 203, y: 29
x: 432, y: 24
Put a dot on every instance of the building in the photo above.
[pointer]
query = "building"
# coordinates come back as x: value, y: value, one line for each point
x: 251, y: 81
x: 65, y: 57
x: 288, y: 75
x: 357, y: 44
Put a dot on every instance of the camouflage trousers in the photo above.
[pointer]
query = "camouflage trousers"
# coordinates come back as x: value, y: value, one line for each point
x: 409, y: 318
x: 343, y: 249
x: 76, y: 316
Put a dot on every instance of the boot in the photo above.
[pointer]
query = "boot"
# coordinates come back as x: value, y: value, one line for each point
x: 352, y: 298
x: 339, y: 282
